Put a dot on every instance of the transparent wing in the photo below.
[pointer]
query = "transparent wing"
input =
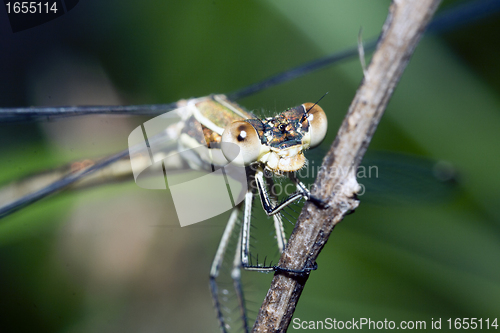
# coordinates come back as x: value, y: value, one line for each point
x: 22, y: 193
x: 447, y: 20
x: 46, y: 113
x: 390, y: 178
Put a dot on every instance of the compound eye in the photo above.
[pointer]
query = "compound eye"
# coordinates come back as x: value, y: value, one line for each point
x: 318, y: 123
x: 241, y: 138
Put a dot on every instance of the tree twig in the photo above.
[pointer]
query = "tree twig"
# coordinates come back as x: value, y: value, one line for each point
x: 336, y: 183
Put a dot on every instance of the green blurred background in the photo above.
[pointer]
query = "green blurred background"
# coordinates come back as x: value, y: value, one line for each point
x: 114, y: 259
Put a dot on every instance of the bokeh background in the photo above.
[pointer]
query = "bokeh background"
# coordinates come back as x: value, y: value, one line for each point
x: 114, y: 259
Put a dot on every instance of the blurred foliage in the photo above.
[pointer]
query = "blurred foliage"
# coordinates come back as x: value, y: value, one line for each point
x: 111, y: 259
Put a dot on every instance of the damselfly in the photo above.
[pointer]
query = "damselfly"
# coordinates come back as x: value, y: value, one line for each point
x: 182, y: 269
x: 269, y: 146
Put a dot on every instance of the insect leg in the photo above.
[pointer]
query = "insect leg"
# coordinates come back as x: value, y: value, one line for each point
x: 245, y: 235
x: 266, y: 201
x: 236, y: 276
x: 216, y: 265
x: 278, y: 222
x: 301, y: 188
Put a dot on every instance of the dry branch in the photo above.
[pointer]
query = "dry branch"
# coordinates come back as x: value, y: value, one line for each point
x: 336, y: 183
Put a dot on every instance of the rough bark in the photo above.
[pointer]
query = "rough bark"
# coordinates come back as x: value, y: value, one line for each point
x: 336, y: 183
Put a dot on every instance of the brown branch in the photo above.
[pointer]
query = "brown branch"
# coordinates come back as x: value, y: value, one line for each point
x: 336, y: 183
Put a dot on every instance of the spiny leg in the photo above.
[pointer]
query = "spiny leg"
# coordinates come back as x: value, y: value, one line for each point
x: 245, y: 233
x: 242, y: 254
x: 268, y: 201
x: 267, y: 204
x: 278, y: 221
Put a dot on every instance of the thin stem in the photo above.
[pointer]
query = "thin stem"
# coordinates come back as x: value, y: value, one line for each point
x: 336, y: 183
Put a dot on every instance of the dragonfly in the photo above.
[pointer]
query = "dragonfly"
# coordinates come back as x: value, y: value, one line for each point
x: 83, y: 170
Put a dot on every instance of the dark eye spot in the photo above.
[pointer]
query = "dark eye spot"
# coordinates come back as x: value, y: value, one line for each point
x: 282, y: 127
